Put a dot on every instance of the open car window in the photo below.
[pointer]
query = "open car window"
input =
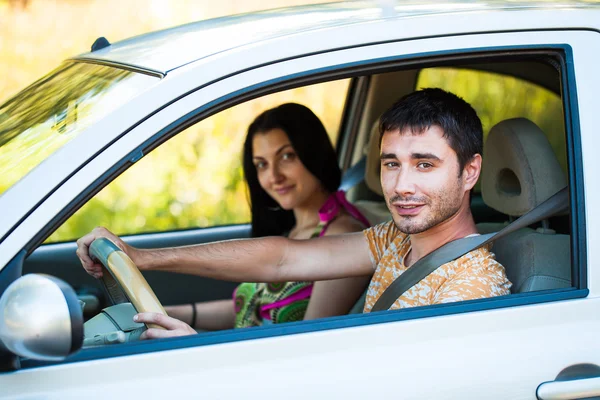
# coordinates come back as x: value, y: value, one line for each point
x: 195, y: 180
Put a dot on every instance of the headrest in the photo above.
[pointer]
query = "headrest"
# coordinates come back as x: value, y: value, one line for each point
x: 519, y: 168
x: 373, y: 167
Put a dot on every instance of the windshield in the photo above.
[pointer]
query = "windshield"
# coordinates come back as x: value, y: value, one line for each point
x: 48, y: 114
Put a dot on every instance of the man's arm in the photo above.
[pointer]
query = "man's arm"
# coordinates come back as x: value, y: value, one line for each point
x: 270, y: 259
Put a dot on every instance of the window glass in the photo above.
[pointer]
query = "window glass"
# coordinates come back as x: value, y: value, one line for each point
x: 195, y: 179
x: 497, y: 97
x: 48, y: 114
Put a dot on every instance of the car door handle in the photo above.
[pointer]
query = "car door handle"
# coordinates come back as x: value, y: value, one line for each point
x: 571, y: 389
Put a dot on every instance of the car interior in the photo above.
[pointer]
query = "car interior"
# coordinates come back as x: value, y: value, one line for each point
x: 524, y: 163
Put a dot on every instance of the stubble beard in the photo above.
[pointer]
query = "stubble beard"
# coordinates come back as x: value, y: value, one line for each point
x: 442, y: 205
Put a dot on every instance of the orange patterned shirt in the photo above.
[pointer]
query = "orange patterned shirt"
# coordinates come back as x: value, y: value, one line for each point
x: 475, y: 275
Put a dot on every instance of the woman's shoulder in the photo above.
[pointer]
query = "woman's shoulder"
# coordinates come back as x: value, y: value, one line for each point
x: 344, y: 223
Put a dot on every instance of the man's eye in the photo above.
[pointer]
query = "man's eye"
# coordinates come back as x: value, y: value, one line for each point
x: 424, y: 165
x: 390, y: 164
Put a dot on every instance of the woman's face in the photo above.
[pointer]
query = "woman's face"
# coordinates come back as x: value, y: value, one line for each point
x: 280, y: 172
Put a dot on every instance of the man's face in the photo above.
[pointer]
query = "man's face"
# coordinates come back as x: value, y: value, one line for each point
x: 421, y: 180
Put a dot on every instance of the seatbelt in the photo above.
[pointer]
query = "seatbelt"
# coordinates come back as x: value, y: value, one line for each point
x: 354, y: 175
x: 557, y: 203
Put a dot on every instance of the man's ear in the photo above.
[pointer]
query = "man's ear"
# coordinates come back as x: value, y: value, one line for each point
x: 471, y: 172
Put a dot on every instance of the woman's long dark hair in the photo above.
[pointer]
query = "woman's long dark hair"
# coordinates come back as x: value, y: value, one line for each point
x: 312, y: 145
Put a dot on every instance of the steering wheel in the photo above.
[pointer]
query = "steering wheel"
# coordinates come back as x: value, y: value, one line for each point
x: 123, y: 280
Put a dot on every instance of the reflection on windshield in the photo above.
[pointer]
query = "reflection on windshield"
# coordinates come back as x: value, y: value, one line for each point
x: 42, y: 118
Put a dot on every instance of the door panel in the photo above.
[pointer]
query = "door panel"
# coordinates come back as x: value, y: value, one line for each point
x: 497, y: 354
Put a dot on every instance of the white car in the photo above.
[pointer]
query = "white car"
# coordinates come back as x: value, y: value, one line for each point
x: 530, y: 70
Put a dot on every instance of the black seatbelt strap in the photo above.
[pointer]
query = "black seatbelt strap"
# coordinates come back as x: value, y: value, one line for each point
x: 556, y: 204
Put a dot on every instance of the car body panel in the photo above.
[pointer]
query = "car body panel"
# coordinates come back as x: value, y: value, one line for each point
x: 172, y: 48
x: 499, y: 354
x: 588, y: 86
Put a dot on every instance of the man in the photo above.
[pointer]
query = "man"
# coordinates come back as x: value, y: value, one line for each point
x: 431, y: 145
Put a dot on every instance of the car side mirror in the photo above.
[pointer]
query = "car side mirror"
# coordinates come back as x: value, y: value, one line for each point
x: 40, y: 318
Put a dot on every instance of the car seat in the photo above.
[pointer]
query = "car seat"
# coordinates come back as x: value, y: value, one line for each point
x: 520, y: 171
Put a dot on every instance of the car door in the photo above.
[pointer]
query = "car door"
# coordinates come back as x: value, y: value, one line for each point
x: 492, y: 348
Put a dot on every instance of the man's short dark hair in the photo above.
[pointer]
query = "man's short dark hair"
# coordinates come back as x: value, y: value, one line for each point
x: 424, y: 108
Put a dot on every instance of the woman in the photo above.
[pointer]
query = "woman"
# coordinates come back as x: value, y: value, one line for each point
x: 292, y: 174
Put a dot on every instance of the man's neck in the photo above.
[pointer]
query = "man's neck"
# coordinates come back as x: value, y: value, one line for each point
x: 458, y: 226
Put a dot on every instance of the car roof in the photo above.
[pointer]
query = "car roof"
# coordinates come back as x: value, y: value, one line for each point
x: 164, y: 51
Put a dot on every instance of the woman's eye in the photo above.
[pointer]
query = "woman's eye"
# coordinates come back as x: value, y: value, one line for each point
x: 260, y: 165
x: 288, y: 156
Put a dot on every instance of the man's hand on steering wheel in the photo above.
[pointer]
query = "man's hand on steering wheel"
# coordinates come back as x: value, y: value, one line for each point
x: 83, y: 245
x: 173, y: 327
x: 123, y: 268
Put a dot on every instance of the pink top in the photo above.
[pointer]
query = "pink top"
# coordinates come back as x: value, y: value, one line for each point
x: 332, y: 207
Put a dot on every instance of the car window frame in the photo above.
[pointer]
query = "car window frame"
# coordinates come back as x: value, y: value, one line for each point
x: 578, y: 233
